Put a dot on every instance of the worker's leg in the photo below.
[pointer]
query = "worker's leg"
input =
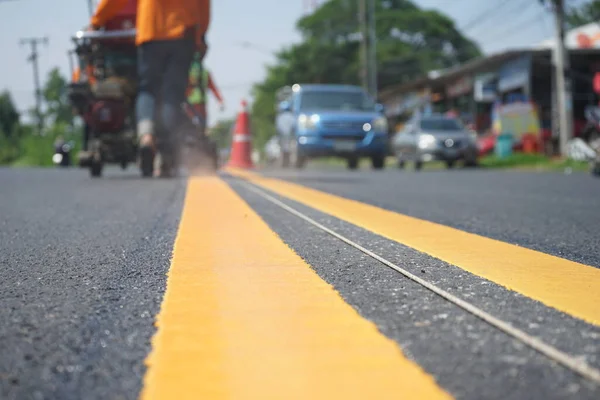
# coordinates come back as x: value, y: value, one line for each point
x: 200, y: 110
x: 152, y: 57
x: 173, y: 89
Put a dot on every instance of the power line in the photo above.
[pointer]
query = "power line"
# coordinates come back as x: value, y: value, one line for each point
x: 484, y: 15
x: 511, y: 29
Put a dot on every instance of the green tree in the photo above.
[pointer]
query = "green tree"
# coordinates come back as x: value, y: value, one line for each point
x: 9, y: 116
x: 583, y: 14
x: 221, y: 132
x: 35, y: 149
x: 10, y: 129
x: 410, y: 42
x: 58, y: 109
x: 21, y: 144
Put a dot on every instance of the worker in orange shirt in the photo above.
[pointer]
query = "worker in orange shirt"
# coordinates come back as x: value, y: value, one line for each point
x: 200, y: 80
x: 168, y: 33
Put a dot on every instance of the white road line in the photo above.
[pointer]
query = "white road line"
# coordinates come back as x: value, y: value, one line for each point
x: 574, y: 364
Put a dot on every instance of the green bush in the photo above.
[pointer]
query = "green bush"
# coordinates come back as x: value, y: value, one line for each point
x: 37, y: 151
x: 9, y: 149
x: 514, y: 160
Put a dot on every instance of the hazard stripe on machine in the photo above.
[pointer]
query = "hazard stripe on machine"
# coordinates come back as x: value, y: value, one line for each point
x: 244, y: 317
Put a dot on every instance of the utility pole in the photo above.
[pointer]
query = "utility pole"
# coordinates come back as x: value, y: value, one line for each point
x: 364, y: 53
x: 563, y: 81
x: 33, y: 58
x: 91, y: 7
x: 70, y: 55
x: 372, y: 50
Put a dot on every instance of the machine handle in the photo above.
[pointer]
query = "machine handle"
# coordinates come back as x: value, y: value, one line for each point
x: 120, y: 34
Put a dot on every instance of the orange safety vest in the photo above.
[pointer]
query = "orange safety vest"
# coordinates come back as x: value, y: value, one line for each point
x: 159, y: 19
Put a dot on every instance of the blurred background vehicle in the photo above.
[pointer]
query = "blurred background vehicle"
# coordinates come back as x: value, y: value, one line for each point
x: 62, y: 152
x: 330, y: 120
x: 435, y: 137
x: 105, y: 98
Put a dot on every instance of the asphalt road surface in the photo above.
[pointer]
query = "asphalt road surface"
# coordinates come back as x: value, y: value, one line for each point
x: 85, y: 265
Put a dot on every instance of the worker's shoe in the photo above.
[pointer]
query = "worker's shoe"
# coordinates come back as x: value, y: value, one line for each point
x: 168, y: 159
x: 165, y: 166
x: 147, y: 152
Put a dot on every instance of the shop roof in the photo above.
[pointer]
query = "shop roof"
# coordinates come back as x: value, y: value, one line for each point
x: 475, y: 65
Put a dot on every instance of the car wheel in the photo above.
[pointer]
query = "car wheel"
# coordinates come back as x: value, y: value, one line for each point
x: 378, y: 162
x: 418, y: 165
x: 352, y: 163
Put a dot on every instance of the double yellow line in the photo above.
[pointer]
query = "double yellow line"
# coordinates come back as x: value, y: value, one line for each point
x: 244, y: 317
x: 565, y: 285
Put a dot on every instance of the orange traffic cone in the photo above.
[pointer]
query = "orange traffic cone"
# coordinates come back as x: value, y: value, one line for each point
x: 241, y: 146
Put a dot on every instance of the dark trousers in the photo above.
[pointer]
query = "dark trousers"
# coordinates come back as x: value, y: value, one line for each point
x: 163, y: 69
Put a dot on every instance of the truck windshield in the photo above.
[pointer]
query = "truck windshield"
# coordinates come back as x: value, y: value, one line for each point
x: 336, y: 101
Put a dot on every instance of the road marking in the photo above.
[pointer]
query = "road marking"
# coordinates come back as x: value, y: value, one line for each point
x: 244, y: 317
x: 575, y: 364
x: 565, y: 285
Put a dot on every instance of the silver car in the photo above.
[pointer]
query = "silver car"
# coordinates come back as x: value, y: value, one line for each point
x: 434, y: 138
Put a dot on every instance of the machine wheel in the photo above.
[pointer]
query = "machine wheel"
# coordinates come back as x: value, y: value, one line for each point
x: 378, y: 162
x: 450, y: 164
x: 146, y: 162
x: 96, y: 169
x: 352, y: 163
x: 418, y: 165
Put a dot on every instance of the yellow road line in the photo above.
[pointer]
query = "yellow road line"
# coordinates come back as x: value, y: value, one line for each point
x: 244, y: 317
x: 568, y: 286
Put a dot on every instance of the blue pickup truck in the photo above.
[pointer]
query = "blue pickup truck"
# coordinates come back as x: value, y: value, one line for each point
x: 330, y: 120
